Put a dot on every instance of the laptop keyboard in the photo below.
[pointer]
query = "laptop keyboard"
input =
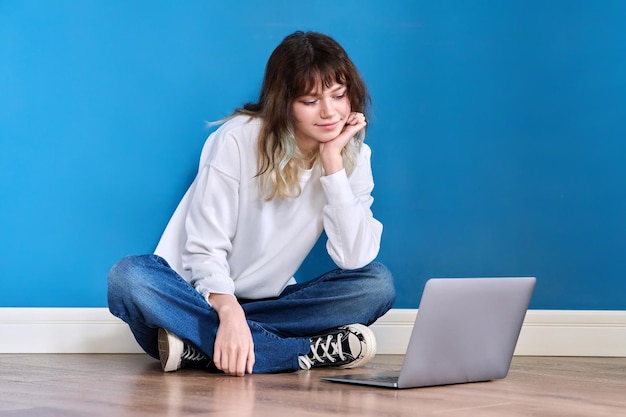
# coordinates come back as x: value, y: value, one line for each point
x: 390, y: 379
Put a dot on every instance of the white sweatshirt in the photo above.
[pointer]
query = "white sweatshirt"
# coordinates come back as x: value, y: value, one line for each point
x: 224, y: 237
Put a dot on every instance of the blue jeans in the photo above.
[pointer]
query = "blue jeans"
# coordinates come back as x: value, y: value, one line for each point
x: 147, y: 294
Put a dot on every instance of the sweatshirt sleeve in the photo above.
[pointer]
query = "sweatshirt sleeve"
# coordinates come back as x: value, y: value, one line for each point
x: 211, y: 222
x: 353, y: 233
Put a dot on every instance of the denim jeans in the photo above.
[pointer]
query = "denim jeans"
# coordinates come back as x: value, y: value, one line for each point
x: 147, y: 294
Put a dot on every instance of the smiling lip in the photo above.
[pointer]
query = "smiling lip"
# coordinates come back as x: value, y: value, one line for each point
x: 328, y: 126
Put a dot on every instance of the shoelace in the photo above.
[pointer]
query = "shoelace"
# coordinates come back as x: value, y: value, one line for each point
x: 337, y: 349
x: 191, y: 354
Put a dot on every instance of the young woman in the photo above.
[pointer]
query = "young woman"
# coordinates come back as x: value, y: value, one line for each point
x: 219, y: 291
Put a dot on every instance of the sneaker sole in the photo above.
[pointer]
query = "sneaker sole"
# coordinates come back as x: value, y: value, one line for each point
x: 170, y: 351
x: 368, y: 344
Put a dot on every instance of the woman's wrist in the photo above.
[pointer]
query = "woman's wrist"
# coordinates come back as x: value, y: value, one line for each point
x: 331, y: 163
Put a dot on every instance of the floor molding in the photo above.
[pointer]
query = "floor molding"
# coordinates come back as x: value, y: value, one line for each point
x: 95, y: 330
x: 544, y: 333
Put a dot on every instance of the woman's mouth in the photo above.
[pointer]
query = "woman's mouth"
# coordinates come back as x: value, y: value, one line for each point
x: 328, y: 126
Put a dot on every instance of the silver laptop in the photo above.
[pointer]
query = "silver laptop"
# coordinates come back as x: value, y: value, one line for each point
x: 466, y: 330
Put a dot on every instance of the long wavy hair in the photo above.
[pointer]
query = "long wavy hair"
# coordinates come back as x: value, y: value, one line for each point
x: 299, y: 64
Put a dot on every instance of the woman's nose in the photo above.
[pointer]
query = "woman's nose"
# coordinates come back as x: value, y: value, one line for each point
x: 327, y: 108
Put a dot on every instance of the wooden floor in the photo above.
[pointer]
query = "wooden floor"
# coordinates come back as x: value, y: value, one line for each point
x: 133, y: 385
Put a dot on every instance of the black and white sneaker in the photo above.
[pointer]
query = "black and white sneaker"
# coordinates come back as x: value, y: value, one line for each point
x: 345, y: 347
x: 175, y: 354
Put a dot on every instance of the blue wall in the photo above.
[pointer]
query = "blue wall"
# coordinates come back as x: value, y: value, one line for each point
x: 498, y: 133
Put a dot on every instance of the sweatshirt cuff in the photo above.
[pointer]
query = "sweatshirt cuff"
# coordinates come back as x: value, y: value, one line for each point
x: 337, y: 188
x: 206, y: 285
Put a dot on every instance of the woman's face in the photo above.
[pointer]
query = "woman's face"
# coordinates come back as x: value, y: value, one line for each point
x: 320, y: 116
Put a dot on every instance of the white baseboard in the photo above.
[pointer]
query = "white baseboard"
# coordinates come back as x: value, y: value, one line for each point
x: 544, y: 333
x: 95, y: 330
x: 64, y: 330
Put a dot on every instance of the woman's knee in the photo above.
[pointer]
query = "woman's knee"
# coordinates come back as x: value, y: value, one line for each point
x: 129, y: 273
x: 381, y: 283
